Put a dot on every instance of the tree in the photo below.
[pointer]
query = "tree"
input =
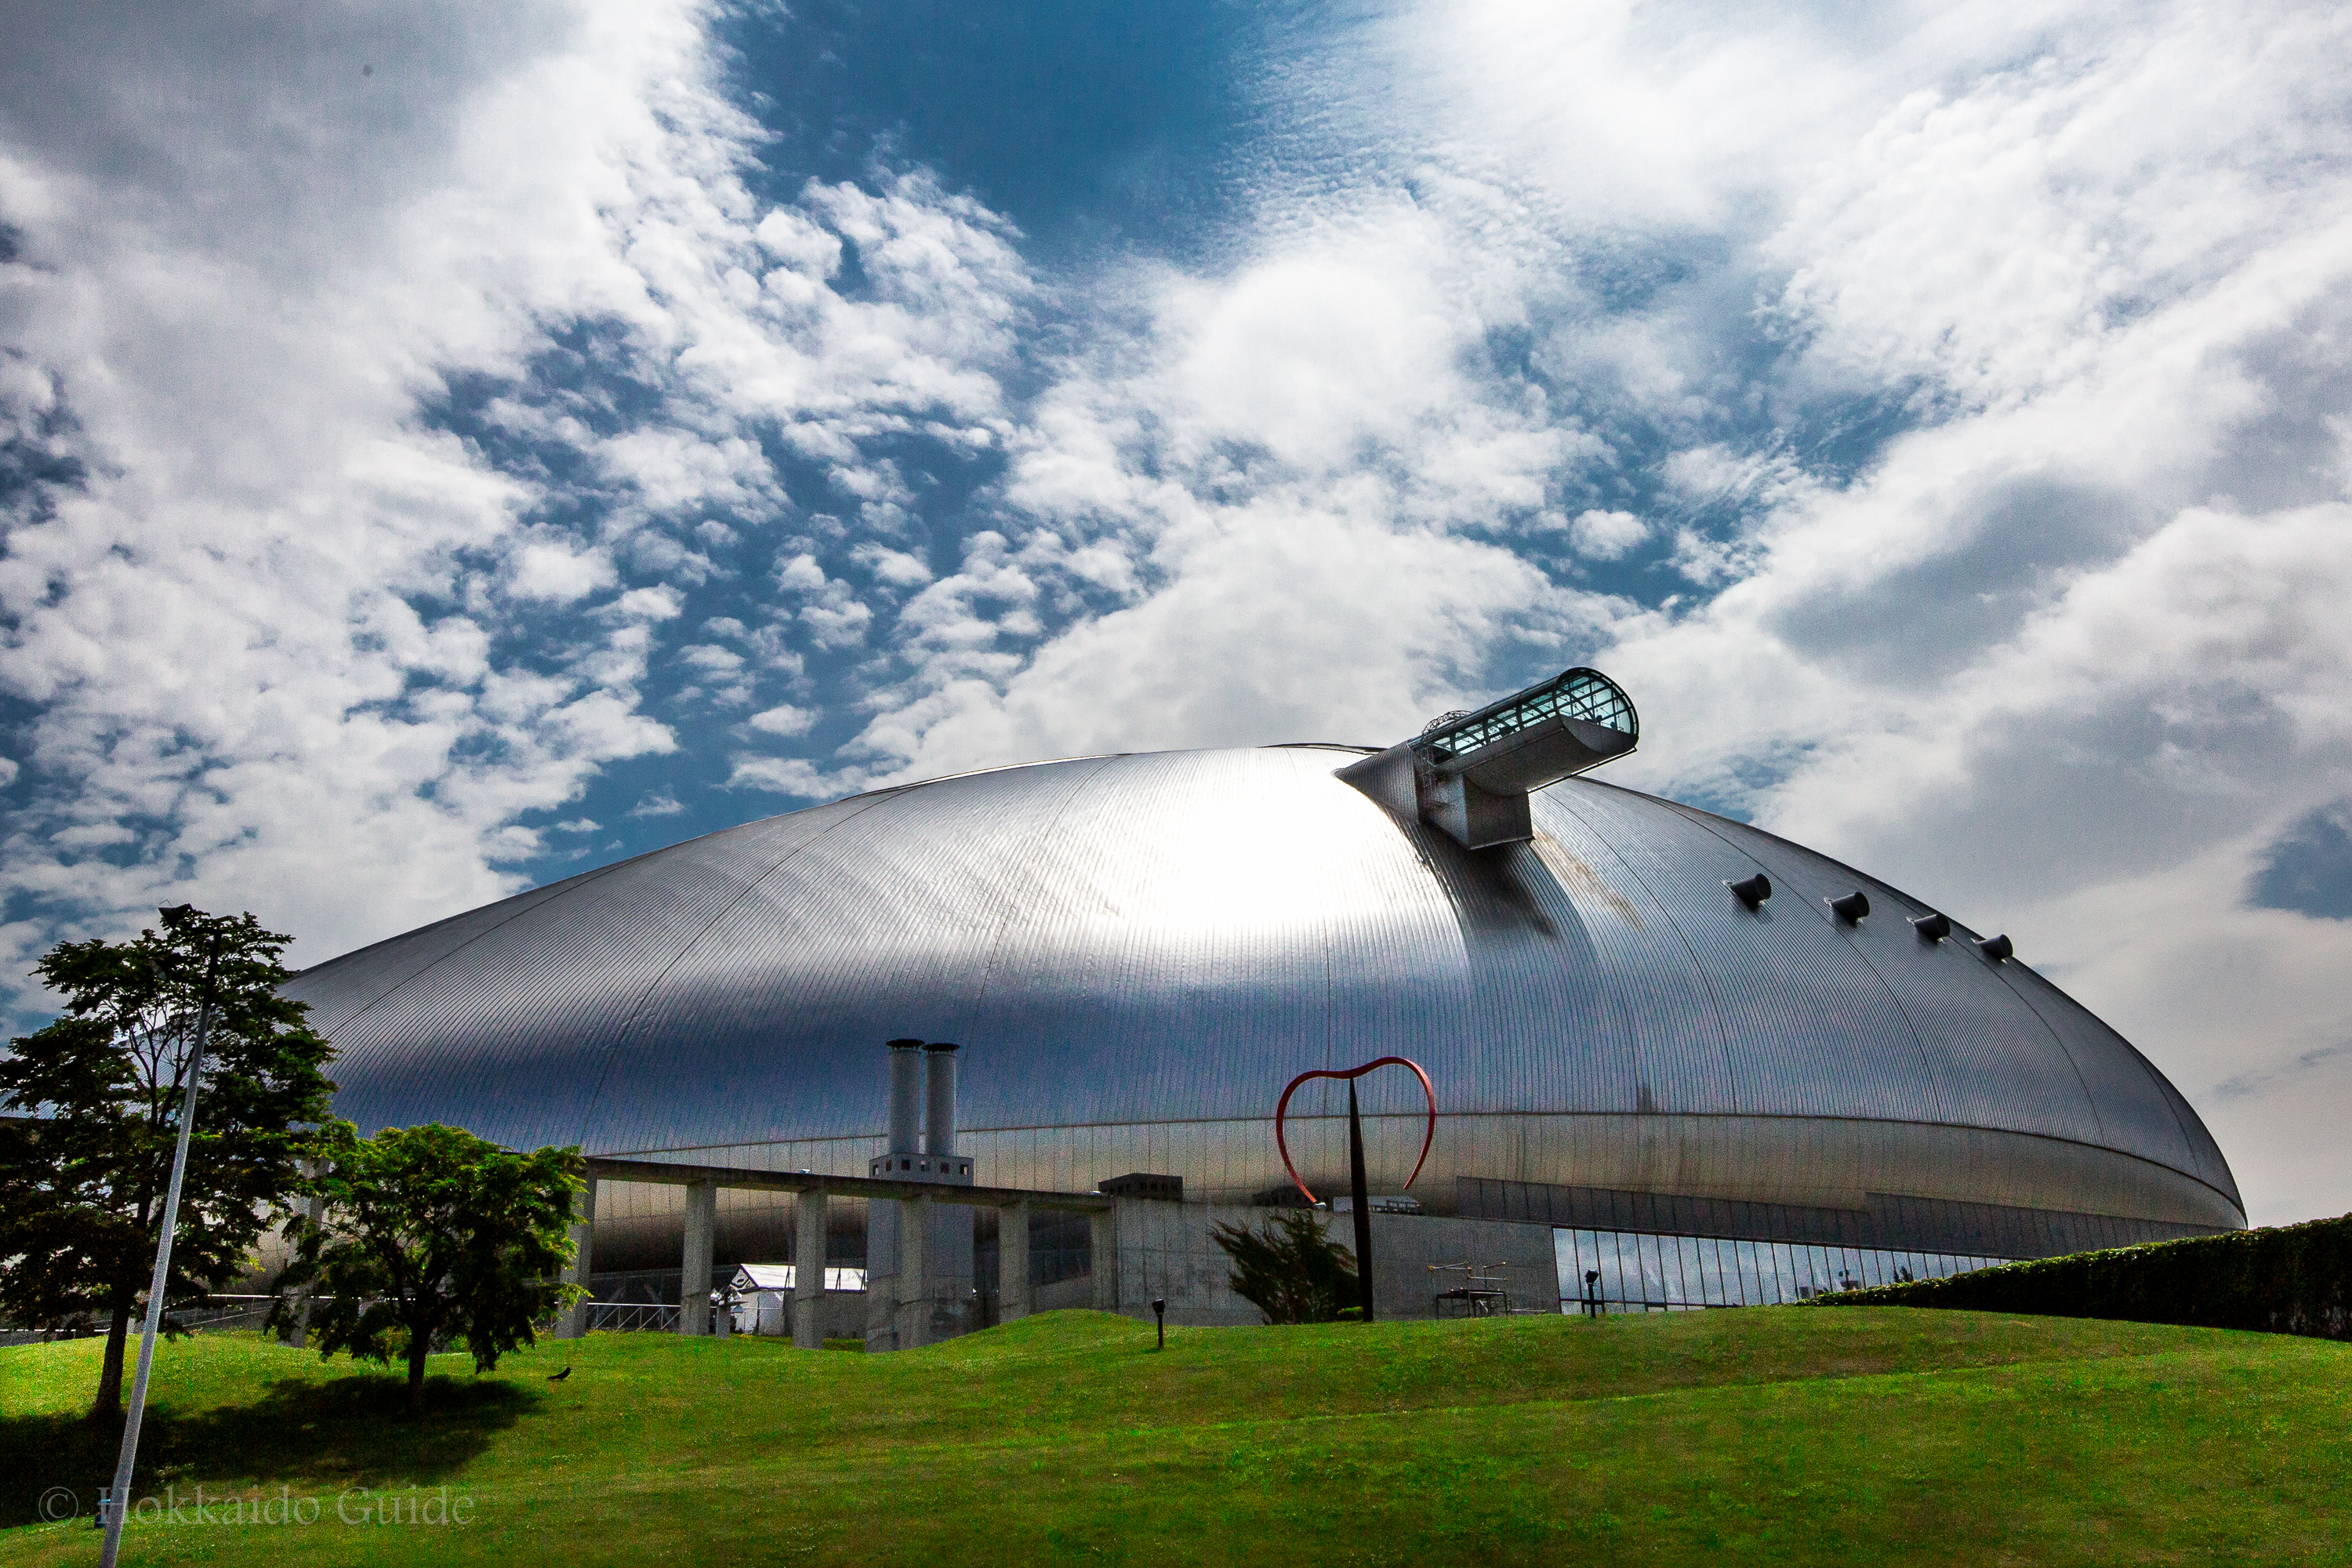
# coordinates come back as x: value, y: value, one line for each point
x: 93, y: 1104
x: 1290, y: 1269
x: 429, y: 1236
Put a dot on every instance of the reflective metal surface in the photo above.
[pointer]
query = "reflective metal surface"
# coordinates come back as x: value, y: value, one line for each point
x: 1136, y: 952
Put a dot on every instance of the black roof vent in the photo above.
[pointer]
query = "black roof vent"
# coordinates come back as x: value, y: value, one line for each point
x: 1934, y: 927
x: 1997, y: 948
x: 1753, y: 891
x: 1851, y: 908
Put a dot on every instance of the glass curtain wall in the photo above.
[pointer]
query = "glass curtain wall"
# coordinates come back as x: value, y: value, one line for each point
x: 1642, y: 1273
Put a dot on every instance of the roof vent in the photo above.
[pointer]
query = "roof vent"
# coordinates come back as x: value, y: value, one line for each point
x: 1471, y: 773
x: 1852, y: 908
x: 1933, y: 928
x: 1753, y: 891
x: 1997, y: 948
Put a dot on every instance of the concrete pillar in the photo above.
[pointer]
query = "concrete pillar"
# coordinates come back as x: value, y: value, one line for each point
x: 1102, y: 1249
x: 914, y: 1293
x: 314, y: 1211
x: 808, y: 1271
x: 881, y: 1272
x: 694, y: 1266
x: 583, y: 1232
x: 1013, y: 1299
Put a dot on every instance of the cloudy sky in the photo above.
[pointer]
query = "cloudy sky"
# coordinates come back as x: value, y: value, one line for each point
x: 447, y: 446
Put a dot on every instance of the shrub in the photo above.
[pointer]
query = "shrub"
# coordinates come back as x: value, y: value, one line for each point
x: 2284, y: 1279
x: 1288, y: 1268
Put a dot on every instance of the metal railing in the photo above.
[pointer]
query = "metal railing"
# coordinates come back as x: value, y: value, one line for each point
x: 206, y: 1314
x: 632, y: 1317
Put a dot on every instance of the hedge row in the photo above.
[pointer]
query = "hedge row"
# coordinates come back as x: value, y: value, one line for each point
x: 2287, y: 1279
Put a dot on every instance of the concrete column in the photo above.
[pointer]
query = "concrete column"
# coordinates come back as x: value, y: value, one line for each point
x: 914, y: 1289
x: 583, y: 1232
x: 694, y: 1267
x: 1013, y: 1297
x: 315, y: 1211
x: 1102, y: 1248
x: 808, y: 1272
x: 882, y: 1227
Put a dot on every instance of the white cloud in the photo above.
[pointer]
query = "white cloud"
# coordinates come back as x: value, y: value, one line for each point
x: 553, y: 572
x: 783, y: 775
x: 782, y: 719
x: 1606, y: 535
x: 655, y: 603
x: 893, y: 568
x: 280, y: 617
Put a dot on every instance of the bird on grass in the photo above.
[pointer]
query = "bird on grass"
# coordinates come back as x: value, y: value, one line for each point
x: 559, y: 1376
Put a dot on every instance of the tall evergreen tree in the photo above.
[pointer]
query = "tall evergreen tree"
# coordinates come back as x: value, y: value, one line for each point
x: 89, y: 1111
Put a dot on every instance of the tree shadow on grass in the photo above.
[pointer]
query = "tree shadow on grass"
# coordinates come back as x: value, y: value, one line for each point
x: 350, y: 1432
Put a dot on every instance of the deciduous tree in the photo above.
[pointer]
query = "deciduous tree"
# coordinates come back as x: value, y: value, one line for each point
x: 429, y: 1235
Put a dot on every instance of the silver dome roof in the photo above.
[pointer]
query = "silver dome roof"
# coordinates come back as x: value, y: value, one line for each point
x: 1137, y: 952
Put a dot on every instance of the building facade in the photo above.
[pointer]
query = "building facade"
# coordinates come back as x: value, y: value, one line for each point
x: 1136, y: 952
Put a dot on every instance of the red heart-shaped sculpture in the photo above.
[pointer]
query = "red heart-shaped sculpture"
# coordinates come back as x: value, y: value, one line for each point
x: 1292, y: 1088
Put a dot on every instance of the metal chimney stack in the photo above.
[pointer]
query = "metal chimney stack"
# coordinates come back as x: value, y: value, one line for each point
x: 906, y: 1097
x: 939, y: 1098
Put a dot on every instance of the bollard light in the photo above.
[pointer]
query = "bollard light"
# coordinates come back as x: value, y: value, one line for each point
x: 1160, y: 1311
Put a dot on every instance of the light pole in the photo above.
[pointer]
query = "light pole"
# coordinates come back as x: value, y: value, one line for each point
x: 118, y: 1502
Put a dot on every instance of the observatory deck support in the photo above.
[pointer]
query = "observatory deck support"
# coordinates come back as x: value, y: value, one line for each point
x: 1014, y: 1297
x: 694, y: 1269
x: 704, y: 1183
x: 583, y: 1261
x: 1470, y: 774
x: 808, y: 1271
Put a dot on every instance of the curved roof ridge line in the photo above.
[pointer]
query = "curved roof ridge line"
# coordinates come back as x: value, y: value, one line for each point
x: 555, y: 892
x: 629, y: 1022
x: 1006, y: 909
x: 1723, y: 1031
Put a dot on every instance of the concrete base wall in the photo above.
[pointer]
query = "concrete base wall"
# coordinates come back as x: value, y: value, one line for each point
x: 841, y: 1315
x: 1168, y: 1251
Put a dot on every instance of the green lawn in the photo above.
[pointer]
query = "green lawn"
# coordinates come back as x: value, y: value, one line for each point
x: 1771, y: 1435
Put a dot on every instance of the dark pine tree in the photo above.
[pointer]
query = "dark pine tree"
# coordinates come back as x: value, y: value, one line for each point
x: 89, y: 1113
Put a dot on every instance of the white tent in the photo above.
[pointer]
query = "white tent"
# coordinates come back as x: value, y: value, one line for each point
x: 763, y: 1293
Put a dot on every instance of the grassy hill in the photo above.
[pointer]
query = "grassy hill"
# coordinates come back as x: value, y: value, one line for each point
x: 1773, y: 1435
